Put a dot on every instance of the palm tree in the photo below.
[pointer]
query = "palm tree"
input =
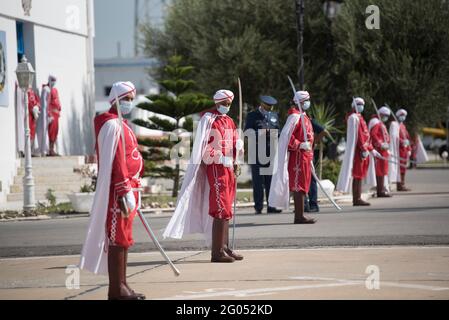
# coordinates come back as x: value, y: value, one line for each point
x: 325, y: 116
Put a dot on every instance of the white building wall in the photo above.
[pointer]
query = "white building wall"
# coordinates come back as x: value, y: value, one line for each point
x: 68, y: 62
x: 61, y: 47
x: 7, y: 114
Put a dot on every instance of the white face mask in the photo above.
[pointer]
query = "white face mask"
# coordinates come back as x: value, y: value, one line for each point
x: 401, y: 118
x: 360, y: 108
x: 306, y: 105
x: 223, y: 109
x: 126, y: 106
x: 384, y: 118
x: 52, y: 83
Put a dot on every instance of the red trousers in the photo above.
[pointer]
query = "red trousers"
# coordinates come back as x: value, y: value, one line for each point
x: 53, y: 129
x: 382, y: 165
x: 404, y: 155
x: 360, y: 166
x: 300, y: 171
x: 119, y: 228
x: 222, y: 191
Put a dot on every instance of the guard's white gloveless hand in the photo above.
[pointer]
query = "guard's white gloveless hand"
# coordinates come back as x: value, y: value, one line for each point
x: 130, y: 200
x: 365, y: 154
x: 50, y: 119
x: 385, y: 146
x: 406, y: 143
x: 305, y: 146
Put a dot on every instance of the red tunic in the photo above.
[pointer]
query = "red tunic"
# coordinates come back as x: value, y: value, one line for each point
x: 299, y: 162
x: 33, y: 100
x: 125, y: 175
x: 360, y: 166
x: 379, y: 135
x: 54, y: 111
x: 221, y: 179
x: 403, y: 148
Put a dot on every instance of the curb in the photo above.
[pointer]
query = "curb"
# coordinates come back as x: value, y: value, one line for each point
x: 159, y: 211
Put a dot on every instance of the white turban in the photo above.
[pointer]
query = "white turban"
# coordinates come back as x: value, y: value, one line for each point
x: 222, y: 95
x: 357, y: 101
x: 401, y: 112
x: 301, y: 96
x: 384, y: 111
x: 121, y: 89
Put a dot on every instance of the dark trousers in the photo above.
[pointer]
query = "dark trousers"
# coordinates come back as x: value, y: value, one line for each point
x: 312, y: 200
x: 260, y: 183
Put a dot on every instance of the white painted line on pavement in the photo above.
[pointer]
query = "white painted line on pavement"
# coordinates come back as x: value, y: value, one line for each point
x: 382, y: 283
x: 253, y: 292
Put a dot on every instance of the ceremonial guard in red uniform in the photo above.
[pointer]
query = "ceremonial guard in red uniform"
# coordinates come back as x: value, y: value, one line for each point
x: 34, y: 108
x: 381, y: 143
x: 52, y: 111
x: 356, y: 158
x: 404, y: 148
x: 294, y: 163
x: 205, y: 203
x: 120, y: 167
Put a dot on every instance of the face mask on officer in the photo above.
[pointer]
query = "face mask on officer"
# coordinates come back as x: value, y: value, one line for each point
x: 384, y: 118
x: 401, y: 118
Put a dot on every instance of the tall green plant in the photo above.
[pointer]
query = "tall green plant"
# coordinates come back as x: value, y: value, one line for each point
x: 177, y: 101
x: 326, y: 117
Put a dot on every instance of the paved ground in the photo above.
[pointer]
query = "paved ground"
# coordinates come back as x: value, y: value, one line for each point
x: 327, y: 273
x: 405, y: 239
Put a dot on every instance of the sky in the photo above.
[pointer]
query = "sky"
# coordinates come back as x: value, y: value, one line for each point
x: 114, y: 22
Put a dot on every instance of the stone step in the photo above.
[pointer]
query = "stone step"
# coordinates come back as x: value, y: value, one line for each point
x: 68, y: 161
x: 52, y: 179
x: 46, y: 171
x: 39, y: 196
x: 38, y: 187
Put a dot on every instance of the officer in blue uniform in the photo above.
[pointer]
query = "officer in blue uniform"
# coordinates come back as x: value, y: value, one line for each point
x: 265, y: 123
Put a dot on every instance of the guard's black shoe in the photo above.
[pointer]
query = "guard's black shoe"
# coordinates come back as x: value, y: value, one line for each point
x: 314, y: 209
x: 258, y: 211
x: 273, y: 210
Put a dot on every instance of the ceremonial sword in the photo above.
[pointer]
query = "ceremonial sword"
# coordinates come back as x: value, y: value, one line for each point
x: 311, y: 162
x: 236, y: 156
x: 141, y: 216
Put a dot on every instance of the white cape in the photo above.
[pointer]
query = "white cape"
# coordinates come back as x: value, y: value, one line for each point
x: 394, y: 173
x: 344, y: 183
x: 94, y: 256
x: 370, y: 179
x: 42, y: 122
x: 192, y: 209
x: 279, y: 190
x: 421, y: 153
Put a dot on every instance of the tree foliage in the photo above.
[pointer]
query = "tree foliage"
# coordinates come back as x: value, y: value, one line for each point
x: 404, y: 63
x: 176, y: 101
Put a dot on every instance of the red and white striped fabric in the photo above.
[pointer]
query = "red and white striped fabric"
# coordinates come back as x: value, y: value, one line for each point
x: 121, y: 89
x: 301, y: 96
x: 222, y: 95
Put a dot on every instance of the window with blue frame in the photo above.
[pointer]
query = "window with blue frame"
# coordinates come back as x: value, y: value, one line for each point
x: 20, y: 46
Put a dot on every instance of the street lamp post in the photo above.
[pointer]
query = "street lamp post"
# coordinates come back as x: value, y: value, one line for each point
x: 25, y: 76
x: 300, y: 28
